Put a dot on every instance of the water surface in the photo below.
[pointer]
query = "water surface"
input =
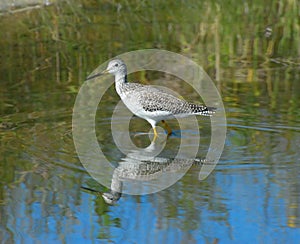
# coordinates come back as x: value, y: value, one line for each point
x: 250, y: 50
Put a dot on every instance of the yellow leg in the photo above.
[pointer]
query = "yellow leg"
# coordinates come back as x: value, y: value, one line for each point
x: 155, y: 133
x: 167, y: 127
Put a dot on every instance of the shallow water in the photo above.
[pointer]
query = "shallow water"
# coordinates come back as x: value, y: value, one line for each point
x: 252, y: 195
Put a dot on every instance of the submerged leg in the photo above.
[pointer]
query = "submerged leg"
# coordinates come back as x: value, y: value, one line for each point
x: 167, y: 127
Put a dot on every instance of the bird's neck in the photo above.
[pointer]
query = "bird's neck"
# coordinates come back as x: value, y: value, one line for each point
x: 120, y: 82
x: 121, y: 78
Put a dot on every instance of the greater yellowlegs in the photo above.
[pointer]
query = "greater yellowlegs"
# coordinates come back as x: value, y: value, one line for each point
x: 148, y: 102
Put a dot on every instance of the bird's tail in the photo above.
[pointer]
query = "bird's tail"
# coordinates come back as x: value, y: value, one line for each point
x: 202, y: 110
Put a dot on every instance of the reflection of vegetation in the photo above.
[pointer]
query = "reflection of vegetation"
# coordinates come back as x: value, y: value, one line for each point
x: 69, y: 39
x: 55, y: 47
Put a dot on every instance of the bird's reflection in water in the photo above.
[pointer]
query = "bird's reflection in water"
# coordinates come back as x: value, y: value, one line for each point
x: 144, y: 172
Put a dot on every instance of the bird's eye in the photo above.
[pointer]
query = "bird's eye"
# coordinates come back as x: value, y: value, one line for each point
x: 116, y: 65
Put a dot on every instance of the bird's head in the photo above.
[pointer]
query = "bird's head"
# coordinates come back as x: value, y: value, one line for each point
x: 115, y: 66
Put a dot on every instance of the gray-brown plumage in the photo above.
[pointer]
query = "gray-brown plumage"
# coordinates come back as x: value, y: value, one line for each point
x: 150, y: 103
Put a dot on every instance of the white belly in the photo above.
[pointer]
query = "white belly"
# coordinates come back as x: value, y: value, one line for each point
x: 136, y: 108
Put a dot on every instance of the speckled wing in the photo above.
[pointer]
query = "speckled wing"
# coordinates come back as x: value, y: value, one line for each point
x: 155, y: 100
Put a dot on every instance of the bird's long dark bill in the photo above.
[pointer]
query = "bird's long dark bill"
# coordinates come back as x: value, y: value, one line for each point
x: 96, y: 75
x: 89, y: 189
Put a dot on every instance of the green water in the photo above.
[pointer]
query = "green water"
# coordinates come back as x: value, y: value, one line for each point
x: 251, y: 51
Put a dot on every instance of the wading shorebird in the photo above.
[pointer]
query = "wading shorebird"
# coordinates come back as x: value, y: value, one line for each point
x: 148, y: 102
